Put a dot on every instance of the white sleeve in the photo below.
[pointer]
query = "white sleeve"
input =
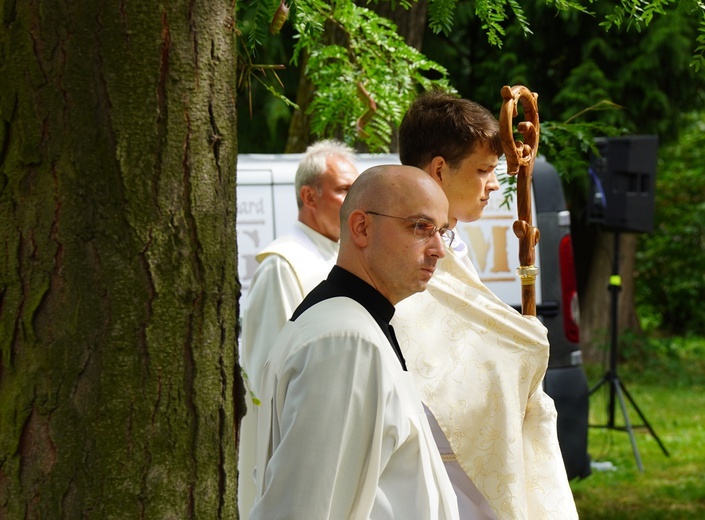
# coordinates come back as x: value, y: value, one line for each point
x: 543, y: 460
x: 327, y: 423
x: 273, y: 296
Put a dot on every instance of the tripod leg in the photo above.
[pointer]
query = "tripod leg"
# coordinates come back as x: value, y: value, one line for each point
x: 646, y: 423
x: 599, y: 384
x: 630, y: 430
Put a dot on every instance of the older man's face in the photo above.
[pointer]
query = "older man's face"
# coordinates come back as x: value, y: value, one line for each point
x: 333, y: 187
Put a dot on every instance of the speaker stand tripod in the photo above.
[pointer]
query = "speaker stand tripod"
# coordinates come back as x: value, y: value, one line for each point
x: 617, y: 390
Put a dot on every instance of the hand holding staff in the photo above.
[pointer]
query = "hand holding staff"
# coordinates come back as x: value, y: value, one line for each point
x: 520, y: 162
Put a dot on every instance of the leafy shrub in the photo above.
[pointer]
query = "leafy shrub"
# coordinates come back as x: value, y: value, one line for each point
x: 670, y: 274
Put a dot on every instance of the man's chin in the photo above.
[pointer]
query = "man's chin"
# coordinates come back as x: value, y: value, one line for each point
x: 471, y: 217
x: 422, y: 287
x: 418, y: 288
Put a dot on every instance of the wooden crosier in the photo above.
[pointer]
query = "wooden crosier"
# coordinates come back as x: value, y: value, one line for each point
x: 520, y: 162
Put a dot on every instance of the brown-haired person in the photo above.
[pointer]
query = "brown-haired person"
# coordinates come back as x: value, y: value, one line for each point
x: 344, y: 434
x: 478, y: 363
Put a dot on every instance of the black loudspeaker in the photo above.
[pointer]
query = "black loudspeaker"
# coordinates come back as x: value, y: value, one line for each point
x: 623, y: 181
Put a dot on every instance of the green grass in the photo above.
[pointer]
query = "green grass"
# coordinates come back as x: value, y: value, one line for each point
x: 671, y: 395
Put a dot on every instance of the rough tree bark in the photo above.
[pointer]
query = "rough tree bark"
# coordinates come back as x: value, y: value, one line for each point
x: 118, y: 278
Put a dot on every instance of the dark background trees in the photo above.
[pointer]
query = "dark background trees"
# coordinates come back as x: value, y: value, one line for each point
x: 634, y: 79
x: 574, y: 64
x: 670, y: 277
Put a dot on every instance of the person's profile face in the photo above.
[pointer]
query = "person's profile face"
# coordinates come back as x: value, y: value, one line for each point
x: 401, y: 262
x: 331, y: 191
x: 469, y: 184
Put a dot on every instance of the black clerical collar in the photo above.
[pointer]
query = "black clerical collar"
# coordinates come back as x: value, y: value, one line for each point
x: 363, y: 293
x: 343, y: 283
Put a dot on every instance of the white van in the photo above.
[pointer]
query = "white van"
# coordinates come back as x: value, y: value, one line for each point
x: 266, y: 208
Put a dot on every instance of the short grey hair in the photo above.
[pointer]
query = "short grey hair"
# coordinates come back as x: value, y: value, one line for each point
x: 313, y: 164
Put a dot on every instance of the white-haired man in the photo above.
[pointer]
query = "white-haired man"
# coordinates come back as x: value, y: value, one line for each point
x: 290, y: 267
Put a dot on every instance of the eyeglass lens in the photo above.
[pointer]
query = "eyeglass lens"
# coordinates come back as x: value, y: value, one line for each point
x: 426, y: 229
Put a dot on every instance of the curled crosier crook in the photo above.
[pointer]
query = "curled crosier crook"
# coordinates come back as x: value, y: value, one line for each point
x: 520, y: 162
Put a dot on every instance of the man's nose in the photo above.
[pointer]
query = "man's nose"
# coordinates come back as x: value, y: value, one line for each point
x: 437, y: 245
x: 493, y: 182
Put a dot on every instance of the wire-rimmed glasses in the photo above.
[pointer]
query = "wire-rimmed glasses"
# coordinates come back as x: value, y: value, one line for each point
x: 424, y: 229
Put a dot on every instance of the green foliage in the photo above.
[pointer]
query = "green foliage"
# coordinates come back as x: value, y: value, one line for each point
x: 631, y: 82
x: 568, y: 5
x: 493, y: 15
x: 635, y: 14
x: 573, y: 64
x: 440, y: 15
x: 363, y: 72
x: 638, y: 14
x: 669, y: 268
x: 568, y: 145
x: 699, y: 54
x: 364, y: 83
x: 253, y: 19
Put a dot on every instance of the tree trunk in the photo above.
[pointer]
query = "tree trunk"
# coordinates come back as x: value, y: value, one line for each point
x: 118, y: 279
x: 596, y: 300
x: 300, y: 124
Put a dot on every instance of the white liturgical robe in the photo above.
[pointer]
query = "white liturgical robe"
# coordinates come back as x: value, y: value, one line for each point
x: 344, y: 432
x: 290, y: 267
x: 479, y: 367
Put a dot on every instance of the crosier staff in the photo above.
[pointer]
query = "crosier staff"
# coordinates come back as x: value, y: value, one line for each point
x: 520, y: 162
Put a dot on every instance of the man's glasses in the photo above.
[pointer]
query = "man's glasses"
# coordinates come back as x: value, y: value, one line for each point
x: 423, y: 228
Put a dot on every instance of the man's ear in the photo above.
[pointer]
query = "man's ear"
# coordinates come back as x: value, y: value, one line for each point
x: 308, y: 196
x: 358, y: 224
x: 437, y: 168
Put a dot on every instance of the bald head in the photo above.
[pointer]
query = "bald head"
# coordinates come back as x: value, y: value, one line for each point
x: 386, y: 187
x: 379, y: 241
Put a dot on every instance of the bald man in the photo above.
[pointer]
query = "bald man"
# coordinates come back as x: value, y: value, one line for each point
x: 344, y: 432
